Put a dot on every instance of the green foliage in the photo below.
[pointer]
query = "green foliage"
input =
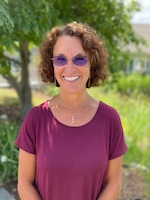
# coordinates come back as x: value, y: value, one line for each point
x: 6, y: 22
x: 33, y: 18
x: 132, y: 85
x: 5, y: 68
x: 136, y: 122
x: 5, y: 65
x: 8, y: 152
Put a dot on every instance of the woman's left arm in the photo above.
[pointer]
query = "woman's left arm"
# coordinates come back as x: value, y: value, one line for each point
x: 113, y: 181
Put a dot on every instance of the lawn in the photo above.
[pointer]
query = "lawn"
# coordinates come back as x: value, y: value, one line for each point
x: 9, y: 95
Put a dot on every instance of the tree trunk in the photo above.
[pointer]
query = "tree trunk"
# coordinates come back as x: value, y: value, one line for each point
x: 25, y: 89
x: 22, y: 88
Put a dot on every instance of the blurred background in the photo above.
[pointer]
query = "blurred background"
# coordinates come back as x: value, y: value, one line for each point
x: 124, y: 25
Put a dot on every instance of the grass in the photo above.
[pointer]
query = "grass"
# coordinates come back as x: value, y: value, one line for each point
x: 8, y: 152
x: 10, y: 96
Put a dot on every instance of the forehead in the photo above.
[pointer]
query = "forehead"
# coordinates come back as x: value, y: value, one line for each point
x: 68, y: 45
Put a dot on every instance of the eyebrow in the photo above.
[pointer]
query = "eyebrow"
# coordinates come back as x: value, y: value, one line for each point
x: 79, y: 54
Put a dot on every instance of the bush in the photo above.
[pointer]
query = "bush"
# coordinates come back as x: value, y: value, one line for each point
x: 134, y: 84
x: 8, y: 152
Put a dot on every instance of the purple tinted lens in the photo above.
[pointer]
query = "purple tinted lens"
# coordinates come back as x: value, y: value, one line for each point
x: 59, y: 60
x: 80, y: 61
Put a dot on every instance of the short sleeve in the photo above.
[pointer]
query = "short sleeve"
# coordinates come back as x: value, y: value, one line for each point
x: 117, y: 146
x: 26, y: 139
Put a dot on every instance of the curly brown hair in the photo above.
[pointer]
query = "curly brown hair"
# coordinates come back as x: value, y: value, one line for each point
x: 92, y: 44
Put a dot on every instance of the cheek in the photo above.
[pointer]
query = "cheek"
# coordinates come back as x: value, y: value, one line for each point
x: 58, y: 70
x: 85, y: 70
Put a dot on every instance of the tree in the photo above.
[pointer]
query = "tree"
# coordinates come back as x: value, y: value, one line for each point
x: 24, y: 22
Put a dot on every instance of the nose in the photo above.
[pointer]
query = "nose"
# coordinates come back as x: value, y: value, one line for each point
x: 70, y: 65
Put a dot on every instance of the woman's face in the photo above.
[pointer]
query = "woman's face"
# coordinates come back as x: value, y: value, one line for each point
x: 71, y: 76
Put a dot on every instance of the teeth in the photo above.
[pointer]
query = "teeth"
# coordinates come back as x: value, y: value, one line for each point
x: 73, y: 78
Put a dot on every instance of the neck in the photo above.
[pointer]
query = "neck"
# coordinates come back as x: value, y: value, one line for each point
x: 73, y: 103
x: 73, y: 100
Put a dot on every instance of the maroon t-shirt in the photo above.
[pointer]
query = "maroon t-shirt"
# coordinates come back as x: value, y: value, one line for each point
x: 71, y: 162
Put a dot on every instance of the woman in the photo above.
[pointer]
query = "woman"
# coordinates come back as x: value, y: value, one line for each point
x: 71, y: 146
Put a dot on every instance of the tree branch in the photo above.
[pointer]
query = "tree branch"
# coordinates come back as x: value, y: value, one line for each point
x: 11, y: 59
x: 13, y: 82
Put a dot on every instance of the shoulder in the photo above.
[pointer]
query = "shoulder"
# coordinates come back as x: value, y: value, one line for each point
x: 107, y: 109
x: 37, y: 112
x: 108, y: 114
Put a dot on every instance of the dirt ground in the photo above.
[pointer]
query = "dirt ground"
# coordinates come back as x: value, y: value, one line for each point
x: 134, y: 182
x: 134, y: 185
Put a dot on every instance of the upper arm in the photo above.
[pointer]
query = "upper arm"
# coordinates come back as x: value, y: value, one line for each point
x: 115, y: 170
x: 27, y: 167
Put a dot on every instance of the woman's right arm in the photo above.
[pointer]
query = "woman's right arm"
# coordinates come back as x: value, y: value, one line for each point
x: 26, y: 176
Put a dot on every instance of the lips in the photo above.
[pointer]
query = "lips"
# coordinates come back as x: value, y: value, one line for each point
x: 71, y: 78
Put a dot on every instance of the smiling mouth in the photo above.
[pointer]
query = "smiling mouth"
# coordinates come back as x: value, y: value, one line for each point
x: 71, y: 78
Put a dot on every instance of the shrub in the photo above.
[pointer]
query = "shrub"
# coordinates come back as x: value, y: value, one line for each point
x: 134, y: 84
x: 8, y: 152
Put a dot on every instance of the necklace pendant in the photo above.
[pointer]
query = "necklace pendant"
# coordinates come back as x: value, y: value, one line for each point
x: 73, y: 119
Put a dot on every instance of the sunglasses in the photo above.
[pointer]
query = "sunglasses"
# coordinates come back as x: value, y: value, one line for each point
x: 78, y: 60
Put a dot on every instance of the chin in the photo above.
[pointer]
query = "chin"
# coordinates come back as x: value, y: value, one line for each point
x: 75, y: 89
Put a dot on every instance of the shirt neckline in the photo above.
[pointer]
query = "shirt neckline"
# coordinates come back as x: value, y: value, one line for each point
x: 58, y: 122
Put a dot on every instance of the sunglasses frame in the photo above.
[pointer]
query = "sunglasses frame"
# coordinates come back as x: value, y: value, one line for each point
x: 74, y: 59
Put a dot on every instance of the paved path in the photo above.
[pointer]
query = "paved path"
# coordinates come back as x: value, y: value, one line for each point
x: 4, y: 195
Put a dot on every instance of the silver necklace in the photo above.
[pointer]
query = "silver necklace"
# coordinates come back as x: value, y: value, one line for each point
x: 73, y: 114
